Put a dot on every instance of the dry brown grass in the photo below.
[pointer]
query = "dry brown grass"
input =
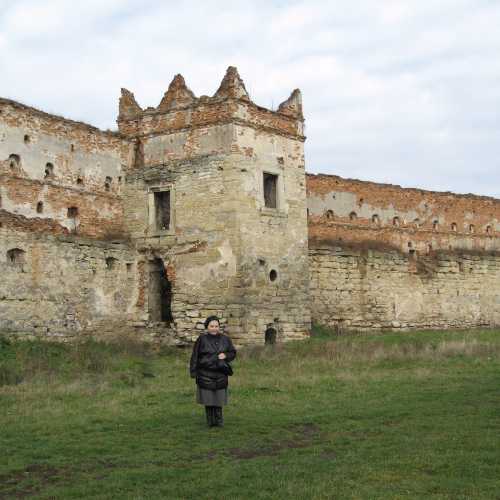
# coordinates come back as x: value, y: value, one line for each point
x: 368, y: 352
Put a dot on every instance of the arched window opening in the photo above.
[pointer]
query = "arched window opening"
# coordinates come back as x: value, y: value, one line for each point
x: 270, y: 336
x: 16, y: 257
x: 471, y: 228
x: 39, y: 207
x: 49, y: 170
x: 353, y: 216
x: 26, y: 139
x: 489, y: 229
x: 111, y: 263
x: 375, y: 219
x: 329, y: 214
x: 160, y: 293
x: 107, y: 183
x: 14, y: 161
x: 454, y: 226
x: 435, y: 225
x: 395, y: 221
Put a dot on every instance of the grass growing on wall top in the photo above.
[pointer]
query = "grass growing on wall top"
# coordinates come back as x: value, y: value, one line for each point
x: 396, y: 415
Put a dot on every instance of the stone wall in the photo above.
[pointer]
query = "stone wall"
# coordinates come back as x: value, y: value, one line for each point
x: 273, y: 259
x: 61, y: 173
x: 371, y: 289
x: 198, y: 251
x: 386, y: 257
x: 352, y: 211
x: 63, y: 286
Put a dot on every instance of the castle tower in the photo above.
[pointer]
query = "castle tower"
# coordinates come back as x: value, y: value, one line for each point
x: 215, y: 203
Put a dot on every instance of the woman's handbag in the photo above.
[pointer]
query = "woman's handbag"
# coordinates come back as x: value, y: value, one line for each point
x: 224, y: 367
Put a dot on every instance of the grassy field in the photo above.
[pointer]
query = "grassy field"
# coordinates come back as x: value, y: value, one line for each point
x: 395, y: 415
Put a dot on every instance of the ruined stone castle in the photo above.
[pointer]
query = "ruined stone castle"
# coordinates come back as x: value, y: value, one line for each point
x: 202, y: 206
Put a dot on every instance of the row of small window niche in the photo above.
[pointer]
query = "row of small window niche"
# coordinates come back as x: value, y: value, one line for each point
x: 17, y: 257
x: 72, y: 212
x: 49, y: 173
x: 27, y: 140
x: 396, y: 221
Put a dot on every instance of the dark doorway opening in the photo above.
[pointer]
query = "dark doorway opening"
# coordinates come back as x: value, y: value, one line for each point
x: 270, y: 336
x: 160, y: 293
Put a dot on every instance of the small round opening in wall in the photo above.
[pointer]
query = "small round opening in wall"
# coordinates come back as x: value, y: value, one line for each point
x: 273, y: 275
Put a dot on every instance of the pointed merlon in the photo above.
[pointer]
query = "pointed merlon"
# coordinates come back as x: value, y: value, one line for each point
x: 128, y: 105
x: 232, y: 86
x: 178, y: 95
x: 293, y: 105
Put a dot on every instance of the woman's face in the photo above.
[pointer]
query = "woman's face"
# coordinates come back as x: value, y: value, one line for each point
x: 213, y: 327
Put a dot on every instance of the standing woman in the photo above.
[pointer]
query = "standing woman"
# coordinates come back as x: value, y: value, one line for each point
x: 212, y: 353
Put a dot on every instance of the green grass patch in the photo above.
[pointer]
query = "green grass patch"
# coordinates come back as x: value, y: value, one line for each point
x: 392, y: 415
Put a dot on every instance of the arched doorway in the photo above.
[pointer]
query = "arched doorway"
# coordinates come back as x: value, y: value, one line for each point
x: 270, y: 336
x: 160, y: 293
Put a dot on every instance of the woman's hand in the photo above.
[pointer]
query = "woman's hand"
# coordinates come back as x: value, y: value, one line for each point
x: 222, y: 356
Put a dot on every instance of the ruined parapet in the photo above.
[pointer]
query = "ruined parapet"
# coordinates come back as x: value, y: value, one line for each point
x: 179, y: 109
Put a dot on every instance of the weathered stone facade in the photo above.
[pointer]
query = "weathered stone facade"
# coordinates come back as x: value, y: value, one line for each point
x: 386, y: 257
x: 199, y: 206
x: 179, y: 190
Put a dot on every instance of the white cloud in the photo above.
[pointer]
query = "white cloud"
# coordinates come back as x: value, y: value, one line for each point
x: 395, y: 90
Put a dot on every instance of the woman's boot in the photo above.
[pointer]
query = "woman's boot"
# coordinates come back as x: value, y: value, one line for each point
x: 219, y: 419
x: 208, y: 412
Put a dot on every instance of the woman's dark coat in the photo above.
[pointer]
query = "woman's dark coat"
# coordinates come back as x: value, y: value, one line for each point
x: 205, y: 366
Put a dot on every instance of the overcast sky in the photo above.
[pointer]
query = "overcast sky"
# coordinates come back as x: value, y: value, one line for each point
x: 405, y: 91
